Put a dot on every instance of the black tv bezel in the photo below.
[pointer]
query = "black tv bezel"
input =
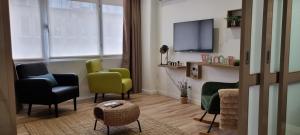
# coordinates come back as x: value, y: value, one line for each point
x: 201, y: 51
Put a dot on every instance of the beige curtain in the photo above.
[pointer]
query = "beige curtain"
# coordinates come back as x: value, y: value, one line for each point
x: 132, y: 53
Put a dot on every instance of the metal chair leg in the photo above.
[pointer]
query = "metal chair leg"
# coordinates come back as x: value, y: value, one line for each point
x: 95, y: 125
x: 212, y: 123
x: 139, y: 125
x: 203, y: 116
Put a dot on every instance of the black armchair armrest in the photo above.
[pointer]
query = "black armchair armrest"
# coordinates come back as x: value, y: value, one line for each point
x: 33, y: 86
x: 66, y: 79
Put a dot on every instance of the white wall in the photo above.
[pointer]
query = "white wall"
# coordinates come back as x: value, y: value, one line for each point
x: 149, y: 44
x: 172, y: 11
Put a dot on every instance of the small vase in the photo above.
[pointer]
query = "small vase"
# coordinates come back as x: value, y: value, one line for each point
x: 184, y: 100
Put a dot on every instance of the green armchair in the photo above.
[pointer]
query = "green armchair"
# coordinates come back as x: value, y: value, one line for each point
x: 115, y: 80
x: 210, y: 100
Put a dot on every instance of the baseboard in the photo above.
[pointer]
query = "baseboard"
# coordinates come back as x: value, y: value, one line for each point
x: 85, y: 97
x: 196, y: 102
x: 149, y: 92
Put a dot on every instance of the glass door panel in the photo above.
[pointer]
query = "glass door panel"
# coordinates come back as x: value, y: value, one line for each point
x: 273, y: 108
x: 295, y: 39
x: 253, y: 110
x: 293, y: 93
x: 276, y: 36
x: 293, y: 110
x: 256, y: 36
x: 255, y: 65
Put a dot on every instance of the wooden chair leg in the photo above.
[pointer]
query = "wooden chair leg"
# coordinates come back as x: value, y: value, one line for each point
x: 49, y: 109
x: 212, y: 123
x: 96, y: 95
x: 139, y: 125
x: 128, y: 94
x: 56, y: 110
x: 95, y: 125
x: 29, y: 109
x: 123, y: 96
x: 75, y: 104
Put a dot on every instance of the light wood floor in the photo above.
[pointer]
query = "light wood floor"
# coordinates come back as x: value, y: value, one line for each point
x: 161, y: 108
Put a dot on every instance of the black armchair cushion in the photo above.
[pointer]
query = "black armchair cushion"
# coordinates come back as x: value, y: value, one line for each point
x: 48, y: 77
x: 63, y: 93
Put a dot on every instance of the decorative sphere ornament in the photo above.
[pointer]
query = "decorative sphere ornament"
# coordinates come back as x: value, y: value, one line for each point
x: 164, y: 49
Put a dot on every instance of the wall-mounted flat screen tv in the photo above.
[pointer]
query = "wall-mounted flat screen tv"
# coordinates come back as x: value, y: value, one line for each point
x: 194, y: 36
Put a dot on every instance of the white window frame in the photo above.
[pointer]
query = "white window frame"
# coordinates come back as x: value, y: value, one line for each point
x: 44, y: 12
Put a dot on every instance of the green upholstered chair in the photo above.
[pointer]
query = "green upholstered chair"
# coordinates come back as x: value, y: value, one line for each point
x: 115, y: 80
x: 210, y: 100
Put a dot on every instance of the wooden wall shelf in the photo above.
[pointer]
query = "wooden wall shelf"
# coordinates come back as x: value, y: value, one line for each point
x: 173, y: 67
x: 194, y: 69
x: 218, y: 65
x: 234, y: 14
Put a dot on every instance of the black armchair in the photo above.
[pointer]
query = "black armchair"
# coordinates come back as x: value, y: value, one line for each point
x: 210, y: 100
x: 31, y: 89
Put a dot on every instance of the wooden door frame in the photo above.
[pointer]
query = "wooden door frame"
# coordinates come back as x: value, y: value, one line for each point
x: 245, y: 78
x: 7, y: 91
x: 265, y: 74
x: 285, y: 78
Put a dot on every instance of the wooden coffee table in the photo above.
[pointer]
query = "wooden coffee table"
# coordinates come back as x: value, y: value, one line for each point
x: 118, y: 116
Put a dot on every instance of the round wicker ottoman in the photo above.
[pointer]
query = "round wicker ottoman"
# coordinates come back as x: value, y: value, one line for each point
x: 118, y: 116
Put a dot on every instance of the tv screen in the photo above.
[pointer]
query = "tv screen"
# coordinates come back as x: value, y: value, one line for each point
x: 194, y: 36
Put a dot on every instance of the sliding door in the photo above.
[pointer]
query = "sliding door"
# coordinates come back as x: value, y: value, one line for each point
x: 270, y: 68
x: 289, y: 101
x: 250, y: 67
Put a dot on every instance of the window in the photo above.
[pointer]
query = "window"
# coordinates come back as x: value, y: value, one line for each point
x: 43, y: 29
x: 26, y: 29
x: 74, y: 28
x: 112, y: 29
